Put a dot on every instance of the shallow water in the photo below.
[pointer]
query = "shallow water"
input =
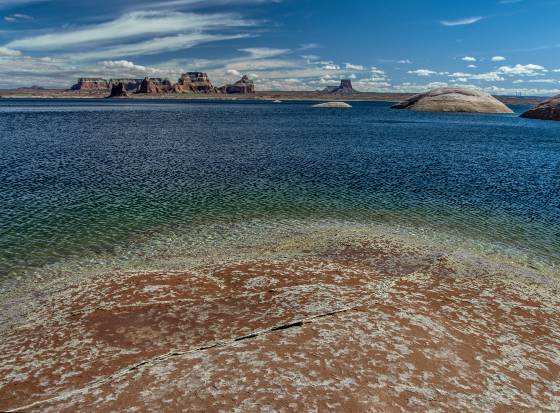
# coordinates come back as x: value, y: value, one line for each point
x: 88, y: 181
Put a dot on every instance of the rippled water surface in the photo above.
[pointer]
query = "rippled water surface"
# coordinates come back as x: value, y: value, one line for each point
x: 80, y: 179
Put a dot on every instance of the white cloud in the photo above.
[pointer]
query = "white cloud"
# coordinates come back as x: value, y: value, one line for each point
x: 122, y: 64
x: 487, y: 77
x: 422, y: 72
x: 552, y: 81
x: 498, y: 59
x: 6, y: 51
x: 153, y: 46
x: 401, y: 61
x: 331, y: 66
x: 17, y: 17
x: 264, y: 52
x: 461, y: 22
x: 129, y: 26
x: 9, y: 3
x: 308, y: 46
x: 233, y: 72
x: 353, y: 67
x: 472, y: 66
x: 468, y: 59
x: 522, y: 70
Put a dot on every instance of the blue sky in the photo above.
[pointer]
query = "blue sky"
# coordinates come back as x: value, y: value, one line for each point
x: 502, y: 46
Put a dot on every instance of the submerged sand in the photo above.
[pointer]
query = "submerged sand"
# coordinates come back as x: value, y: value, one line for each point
x: 359, y: 323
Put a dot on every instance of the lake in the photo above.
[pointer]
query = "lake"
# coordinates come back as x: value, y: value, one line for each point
x: 103, y: 183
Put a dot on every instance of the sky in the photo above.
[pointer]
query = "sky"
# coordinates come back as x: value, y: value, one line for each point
x: 501, y: 46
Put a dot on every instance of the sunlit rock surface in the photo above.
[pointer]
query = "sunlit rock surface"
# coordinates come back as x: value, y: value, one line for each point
x: 454, y: 100
x: 332, y: 105
x: 360, y: 325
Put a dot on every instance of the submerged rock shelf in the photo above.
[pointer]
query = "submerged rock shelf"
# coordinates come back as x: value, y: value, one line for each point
x: 360, y: 325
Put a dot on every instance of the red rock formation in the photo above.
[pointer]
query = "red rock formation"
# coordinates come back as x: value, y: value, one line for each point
x: 356, y: 327
x: 345, y: 88
x: 90, y: 84
x: 547, y: 110
x: 131, y: 85
x: 118, y: 90
x: 194, y: 82
x: 149, y: 86
x: 244, y: 86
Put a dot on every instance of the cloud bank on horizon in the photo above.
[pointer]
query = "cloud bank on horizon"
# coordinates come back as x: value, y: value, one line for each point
x: 501, y: 46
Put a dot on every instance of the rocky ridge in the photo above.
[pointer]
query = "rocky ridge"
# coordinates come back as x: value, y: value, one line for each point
x: 190, y: 82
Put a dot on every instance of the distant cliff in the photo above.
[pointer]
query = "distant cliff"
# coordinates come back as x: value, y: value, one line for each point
x: 90, y: 84
x: 243, y: 86
x: 190, y: 82
x: 194, y: 82
x: 344, y: 89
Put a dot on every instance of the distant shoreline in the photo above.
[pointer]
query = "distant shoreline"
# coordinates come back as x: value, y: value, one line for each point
x: 264, y: 95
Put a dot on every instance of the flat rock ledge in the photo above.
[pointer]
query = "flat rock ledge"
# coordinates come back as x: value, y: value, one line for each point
x: 332, y: 105
x: 547, y: 110
x: 363, y: 327
x: 454, y: 100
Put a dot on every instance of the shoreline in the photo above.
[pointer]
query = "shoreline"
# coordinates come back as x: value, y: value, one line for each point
x: 258, y: 96
x: 250, y: 241
x: 354, y: 299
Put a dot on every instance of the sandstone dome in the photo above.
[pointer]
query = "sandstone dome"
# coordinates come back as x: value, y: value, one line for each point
x: 454, y: 100
x: 547, y: 110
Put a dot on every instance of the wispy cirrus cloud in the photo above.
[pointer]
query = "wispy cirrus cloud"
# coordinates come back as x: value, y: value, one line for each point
x: 17, y: 17
x: 5, y: 4
x: 129, y: 26
x: 461, y: 22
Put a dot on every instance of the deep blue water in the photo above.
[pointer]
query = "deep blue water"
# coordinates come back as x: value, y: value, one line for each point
x: 78, y: 178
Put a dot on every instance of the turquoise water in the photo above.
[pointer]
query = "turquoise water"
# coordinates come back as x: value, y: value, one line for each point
x: 85, y: 179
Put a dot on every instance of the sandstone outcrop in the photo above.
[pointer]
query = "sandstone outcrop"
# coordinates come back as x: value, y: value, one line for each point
x: 194, y: 82
x: 454, y: 100
x: 90, y: 84
x: 345, y: 88
x: 149, y: 86
x: 243, y: 86
x: 131, y: 85
x: 355, y: 326
x: 547, y: 110
x: 332, y: 105
x: 118, y: 90
x: 190, y: 82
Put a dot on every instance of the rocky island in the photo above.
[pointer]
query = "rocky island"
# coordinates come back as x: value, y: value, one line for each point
x: 332, y: 105
x: 547, y: 110
x: 454, y: 100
